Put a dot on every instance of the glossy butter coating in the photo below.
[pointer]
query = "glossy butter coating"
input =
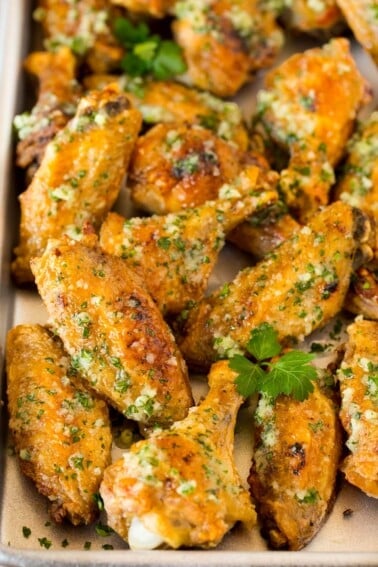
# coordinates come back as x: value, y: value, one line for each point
x: 359, y: 400
x: 294, y: 467
x: 80, y: 175
x: 225, y: 42
x: 61, y: 431
x: 298, y: 288
x: 113, y: 331
x: 182, y: 484
x: 175, y: 254
x: 297, y: 110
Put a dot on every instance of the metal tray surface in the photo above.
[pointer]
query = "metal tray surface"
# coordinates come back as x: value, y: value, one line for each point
x: 342, y: 541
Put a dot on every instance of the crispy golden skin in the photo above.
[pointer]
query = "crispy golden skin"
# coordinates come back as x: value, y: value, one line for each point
x: 154, y: 8
x: 84, y: 27
x: 265, y: 230
x: 358, y: 186
x: 361, y: 16
x: 114, y: 331
x: 182, y: 484
x: 175, y: 254
x: 166, y: 101
x: 303, y: 16
x: 298, y: 112
x: 61, y: 431
x: 362, y: 298
x: 297, y: 289
x: 294, y: 467
x: 259, y: 236
x: 224, y: 42
x: 58, y: 96
x: 359, y: 401
x: 175, y: 166
x: 80, y: 175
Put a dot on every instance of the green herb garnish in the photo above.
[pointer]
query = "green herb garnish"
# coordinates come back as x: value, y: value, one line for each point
x: 103, y: 530
x: 292, y: 374
x: 44, y: 542
x: 26, y: 532
x: 148, y: 54
x: 130, y: 34
x: 311, y: 496
x: 98, y: 501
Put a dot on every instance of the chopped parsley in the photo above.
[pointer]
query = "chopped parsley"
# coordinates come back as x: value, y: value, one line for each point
x: 44, y: 542
x: 103, y: 530
x: 164, y: 242
x: 310, y: 497
x: 98, y: 501
x: 337, y: 328
x: 26, y: 532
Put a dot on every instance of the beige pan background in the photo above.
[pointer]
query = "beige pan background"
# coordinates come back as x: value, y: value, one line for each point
x: 351, y: 541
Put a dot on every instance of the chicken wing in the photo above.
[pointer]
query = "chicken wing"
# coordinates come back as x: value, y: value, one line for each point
x: 297, y: 289
x: 80, y: 175
x: 83, y: 26
x: 225, y: 42
x: 260, y: 234
x: 362, y: 18
x: 362, y: 297
x: 180, y: 487
x: 166, y: 101
x: 298, y: 112
x: 61, y: 432
x: 318, y: 18
x: 175, y: 166
x: 154, y: 8
x: 264, y: 230
x: 359, y: 399
x: 358, y: 186
x: 294, y: 467
x: 176, y: 253
x: 58, y: 97
x: 113, y: 330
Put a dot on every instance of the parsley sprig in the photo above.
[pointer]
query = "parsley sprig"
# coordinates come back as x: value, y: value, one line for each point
x: 148, y: 54
x: 292, y: 374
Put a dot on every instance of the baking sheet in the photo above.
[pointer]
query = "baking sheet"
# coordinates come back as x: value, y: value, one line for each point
x: 342, y: 541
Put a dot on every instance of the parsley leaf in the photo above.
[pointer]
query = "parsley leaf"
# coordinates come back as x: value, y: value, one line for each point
x: 130, y: 34
x: 146, y: 53
x: 250, y: 375
x: 147, y: 50
x: 291, y: 375
x: 168, y: 61
x: 134, y: 65
x: 264, y: 342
